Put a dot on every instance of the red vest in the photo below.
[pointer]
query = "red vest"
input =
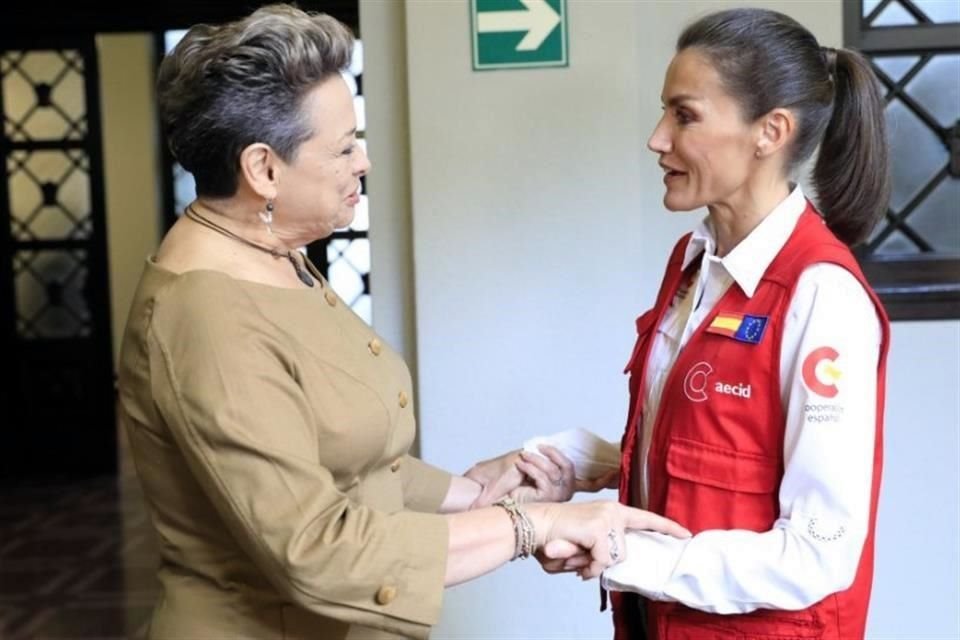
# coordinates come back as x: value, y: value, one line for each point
x: 716, y: 456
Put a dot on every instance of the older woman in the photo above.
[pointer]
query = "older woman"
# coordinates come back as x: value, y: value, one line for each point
x: 270, y: 426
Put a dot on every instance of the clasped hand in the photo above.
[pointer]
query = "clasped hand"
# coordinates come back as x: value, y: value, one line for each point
x: 585, y: 537
x: 527, y: 477
x: 588, y: 537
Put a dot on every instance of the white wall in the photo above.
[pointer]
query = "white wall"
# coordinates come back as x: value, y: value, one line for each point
x: 538, y: 236
x: 527, y: 225
x: 917, y: 581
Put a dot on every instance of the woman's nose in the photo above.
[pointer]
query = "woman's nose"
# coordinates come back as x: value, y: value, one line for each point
x: 364, y: 165
x: 659, y: 141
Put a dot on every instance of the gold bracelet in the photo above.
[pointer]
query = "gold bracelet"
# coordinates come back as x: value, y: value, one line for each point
x: 523, y: 530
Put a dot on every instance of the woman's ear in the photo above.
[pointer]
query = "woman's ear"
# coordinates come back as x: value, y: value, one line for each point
x: 260, y: 168
x: 777, y: 129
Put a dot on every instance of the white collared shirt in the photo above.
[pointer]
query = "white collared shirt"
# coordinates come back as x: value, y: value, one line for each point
x: 814, y: 548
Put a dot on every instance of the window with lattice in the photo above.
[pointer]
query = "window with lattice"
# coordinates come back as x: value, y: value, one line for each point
x: 913, y: 256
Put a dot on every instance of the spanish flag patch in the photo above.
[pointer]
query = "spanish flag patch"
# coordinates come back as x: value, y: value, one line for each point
x: 739, y: 327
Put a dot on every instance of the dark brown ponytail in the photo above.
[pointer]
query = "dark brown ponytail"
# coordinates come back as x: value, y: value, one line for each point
x: 852, y: 175
x: 768, y: 60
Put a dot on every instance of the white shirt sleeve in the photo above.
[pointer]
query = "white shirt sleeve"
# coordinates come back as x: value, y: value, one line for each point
x: 829, y: 359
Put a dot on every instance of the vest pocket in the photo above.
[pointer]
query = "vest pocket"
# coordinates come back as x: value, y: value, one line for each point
x: 688, y: 624
x: 711, y: 487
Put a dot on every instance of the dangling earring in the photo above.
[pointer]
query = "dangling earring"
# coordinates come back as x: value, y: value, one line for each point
x: 267, y: 216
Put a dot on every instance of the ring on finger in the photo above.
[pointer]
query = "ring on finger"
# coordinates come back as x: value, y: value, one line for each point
x: 613, y: 545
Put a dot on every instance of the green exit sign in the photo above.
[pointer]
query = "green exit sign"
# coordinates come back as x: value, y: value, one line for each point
x: 510, y: 34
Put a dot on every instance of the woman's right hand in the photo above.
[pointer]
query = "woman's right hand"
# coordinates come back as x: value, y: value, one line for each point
x: 597, y: 528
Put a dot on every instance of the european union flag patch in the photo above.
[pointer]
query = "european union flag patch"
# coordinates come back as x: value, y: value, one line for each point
x: 739, y: 326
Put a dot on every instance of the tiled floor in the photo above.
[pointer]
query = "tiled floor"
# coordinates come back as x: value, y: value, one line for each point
x: 77, y: 560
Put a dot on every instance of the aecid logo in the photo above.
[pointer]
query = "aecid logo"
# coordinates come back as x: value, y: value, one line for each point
x: 696, y: 384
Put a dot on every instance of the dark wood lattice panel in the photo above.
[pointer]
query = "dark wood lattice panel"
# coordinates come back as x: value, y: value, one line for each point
x: 48, y: 186
x: 44, y: 93
x: 49, y: 195
x: 51, y: 301
x: 58, y: 415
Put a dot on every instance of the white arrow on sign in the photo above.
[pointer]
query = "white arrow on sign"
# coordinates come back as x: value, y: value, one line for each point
x: 538, y: 20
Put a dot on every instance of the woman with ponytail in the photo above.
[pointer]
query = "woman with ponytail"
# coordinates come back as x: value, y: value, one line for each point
x: 757, y: 379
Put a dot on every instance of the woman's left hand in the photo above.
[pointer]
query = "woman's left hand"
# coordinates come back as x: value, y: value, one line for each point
x: 550, y: 477
x: 525, y: 477
x: 497, y: 477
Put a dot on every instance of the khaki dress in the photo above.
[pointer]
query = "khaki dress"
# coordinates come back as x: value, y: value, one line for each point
x: 270, y: 429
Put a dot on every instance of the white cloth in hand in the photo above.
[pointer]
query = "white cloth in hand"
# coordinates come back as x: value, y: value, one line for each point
x: 592, y: 456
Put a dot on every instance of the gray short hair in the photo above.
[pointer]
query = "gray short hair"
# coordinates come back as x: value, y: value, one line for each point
x: 225, y: 87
